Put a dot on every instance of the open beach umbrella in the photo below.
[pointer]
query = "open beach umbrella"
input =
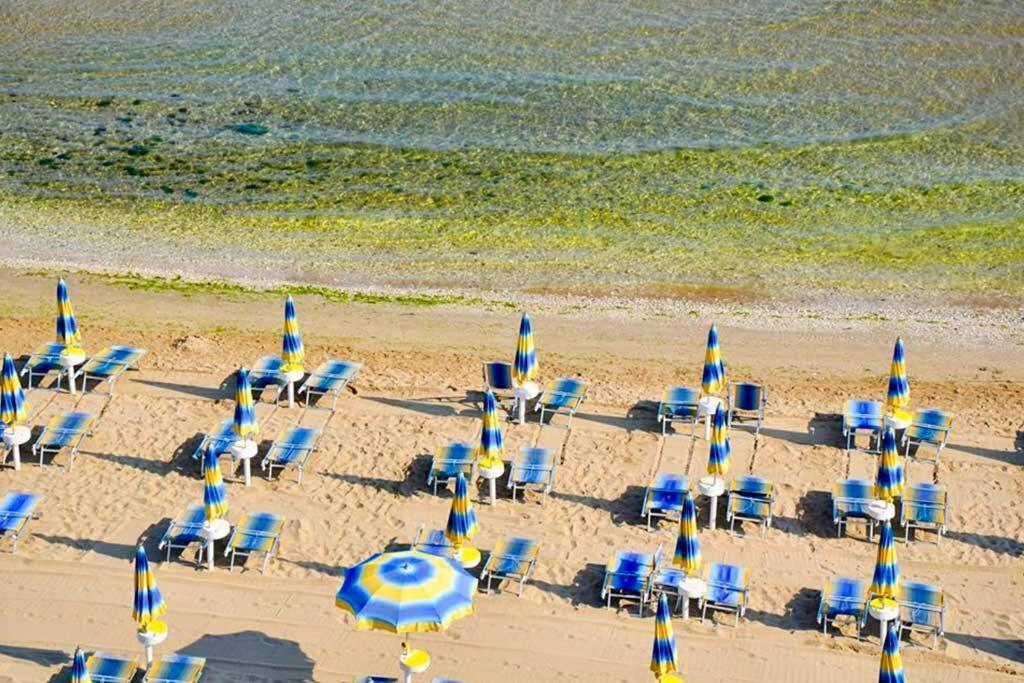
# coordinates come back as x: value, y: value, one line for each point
x: 244, y: 423
x: 491, y: 445
x: 67, y: 328
x: 79, y: 674
x: 13, y: 407
x: 886, y: 579
x: 713, y: 378
x: 718, y: 457
x: 898, y: 396
x: 406, y: 592
x: 889, y: 480
x: 687, y: 555
x: 215, y: 498
x: 525, y: 369
x: 891, y: 667
x: 462, y: 524
x: 663, y: 654
x: 149, y: 604
x: 292, y: 351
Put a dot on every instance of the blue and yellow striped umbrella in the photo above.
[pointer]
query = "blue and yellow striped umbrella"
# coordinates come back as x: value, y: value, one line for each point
x: 67, y: 328
x: 898, y: 396
x: 891, y: 668
x: 491, y: 445
x: 713, y: 378
x: 663, y: 655
x: 215, y: 497
x: 525, y: 369
x: 718, y: 457
x: 244, y: 423
x: 13, y: 406
x: 149, y: 604
x: 687, y: 556
x: 292, y: 351
x: 889, y: 480
x: 79, y: 674
x: 462, y: 524
x: 886, y: 580
x: 407, y: 591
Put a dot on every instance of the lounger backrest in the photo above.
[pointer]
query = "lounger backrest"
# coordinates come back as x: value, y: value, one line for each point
x: 845, y: 596
x: 680, y: 402
x: 435, y: 543
x: 532, y: 465
x: 453, y: 458
x: 862, y: 414
x: 930, y: 425
x: 668, y: 491
x: 15, y: 509
x: 851, y: 496
x: 257, y: 531
x: 107, y: 666
x: 563, y: 392
x: 266, y: 371
x: 925, y: 503
x: 921, y: 603
x: 726, y: 583
x: 751, y: 496
x: 188, y: 527
x: 44, y: 357
x: 513, y: 555
x: 498, y: 375
x: 747, y: 396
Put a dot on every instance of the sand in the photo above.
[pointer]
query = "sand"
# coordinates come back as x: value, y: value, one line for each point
x: 70, y: 582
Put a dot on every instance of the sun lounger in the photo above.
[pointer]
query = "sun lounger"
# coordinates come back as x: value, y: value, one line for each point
x: 63, y: 433
x: 664, y: 497
x: 562, y: 397
x: 175, y: 669
x: 16, y: 511
x: 185, y: 530
x: 628, y: 575
x: 930, y: 427
x: 862, y: 417
x: 842, y: 597
x: 922, y: 609
x: 43, y: 361
x: 728, y: 590
x: 850, y: 498
x: 513, y: 559
x: 109, y: 364
x: 533, y: 468
x: 498, y: 380
x: 679, y: 404
x: 924, y: 506
x: 266, y: 373
x: 449, y: 461
x: 107, y: 667
x: 432, y: 542
x: 750, y: 499
x: 746, y: 401
x: 330, y: 379
x: 220, y: 439
x: 292, y: 446
x: 259, y: 533
x: 374, y: 679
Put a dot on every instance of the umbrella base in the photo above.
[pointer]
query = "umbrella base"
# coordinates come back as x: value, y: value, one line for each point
x: 14, y: 437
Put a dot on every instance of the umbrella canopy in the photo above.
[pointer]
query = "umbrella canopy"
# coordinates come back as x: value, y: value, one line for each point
x: 491, y: 445
x: 687, y: 555
x: 889, y: 480
x: 899, y: 389
x: 663, y: 655
x: 406, y: 591
x: 886, y: 579
x: 713, y: 378
x: 525, y: 367
x: 13, y: 407
x: 462, y: 524
x: 79, y: 674
x: 215, y: 497
x: 891, y: 668
x: 149, y: 604
x: 718, y: 457
x: 67, y: 328
x: 244, y: 423
x: 292, y: 351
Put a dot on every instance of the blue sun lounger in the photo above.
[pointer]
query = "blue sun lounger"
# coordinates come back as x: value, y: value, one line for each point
x: 746, y: 402
x: 109, y: 364
x: 16, y: 511
x: 924, y: 506
x: 750, y: 499
x: 258, y: 533
x: 449, y: 461
x: 432, y: 542
x: 514, y: 559
x: 850, y: 498
x: 266, y: 373
x: 562, y: 397
x: 173, y: 668
x: 728, y: 590
x: 922, y: 609
x: 63, y: 433
x: 330, y: 379
x: 862, y: 417
x: 374, y: 679
x: 294, y: 445
x: 220, y: 439
x: 628, y: 575
x: 929, y: 426
x: 107, y: 667
x: 679, y: 404
x: 533, y: 468
x: 185, y: 530
x: 664, y: 497
x: 498, y: 379
x: 842, y: 597
x: 45, y: 359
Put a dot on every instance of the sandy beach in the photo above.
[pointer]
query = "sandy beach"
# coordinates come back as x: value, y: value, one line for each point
x: 70, y: 581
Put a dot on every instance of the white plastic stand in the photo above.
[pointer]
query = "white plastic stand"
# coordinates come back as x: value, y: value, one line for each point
x: 691, y: 589
x: 69, y: 361
x: 528, y: 391
x: 885, y: 611
x: 244, y: 451
x: 491, y: 474
x: 708, y: 406
x: 413, y: 662
x: 290, y: 377
x: 214, y: 531
x: 150, y: 638
x: 880, y: 510
x: 712, y: 487
x: 898, y: 423
x: 14, y: 437
x: 467, y: 556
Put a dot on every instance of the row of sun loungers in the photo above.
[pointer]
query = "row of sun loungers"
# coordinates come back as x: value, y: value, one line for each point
x: 532, y: 469
x: 512, y: 559
x: 922, y: 605
x: 258, y: 533
x: 293, y: 446
x: 107, y: 365
x: 927, y: 427
x: 329, y: 378
x: 922, y: 506
x: 744, y: 401
x: 108, y: 667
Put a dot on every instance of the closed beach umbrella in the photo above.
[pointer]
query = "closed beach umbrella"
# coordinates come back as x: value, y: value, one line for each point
x: 67, y: 328
x: 663, y: 655
x: 687, y: 555
x: 898, y: 396
x: 886, y: 579
x: 718, y: 457
x: 13, y: 407
x: 525, y: 369
x: 292, y: 351
x: 79, y: 674
x: 889, y: 481
x: 215, y: 498
x: 713, y: 378
x: 891, y: 668
x: 244, y: 424
x: 149, y: 605
x: 491, y: 445
x: 462, y: 524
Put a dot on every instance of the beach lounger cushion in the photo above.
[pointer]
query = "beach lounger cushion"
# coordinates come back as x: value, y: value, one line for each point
x: 266, y: 372
x: 628, y: 574
x: 746, y: 402
x: 432, y: 542
x: 220, y: 438
x: 44, y: 360
x: 679, y: 404
x: 928, y: 426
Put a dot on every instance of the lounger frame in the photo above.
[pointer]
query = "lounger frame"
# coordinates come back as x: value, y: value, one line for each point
x: 93, y: 662
x: 911, y: 520
x: 504, y: 395
x: 46, y: 356
x: 931, y: 612
x: 843, y: 510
